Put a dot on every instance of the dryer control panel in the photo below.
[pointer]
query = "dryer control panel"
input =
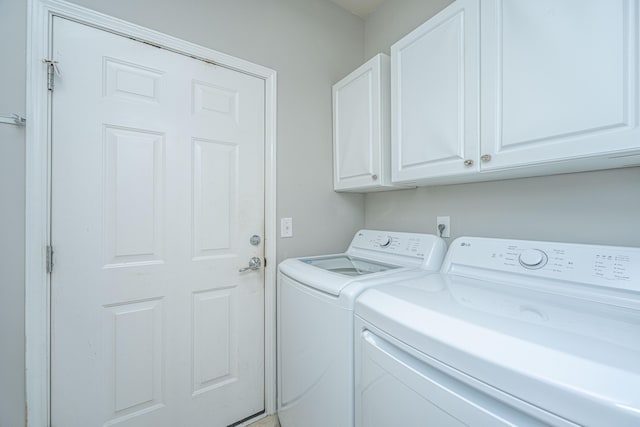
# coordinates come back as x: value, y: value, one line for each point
x: 409, y: 249
x: 608, y: 266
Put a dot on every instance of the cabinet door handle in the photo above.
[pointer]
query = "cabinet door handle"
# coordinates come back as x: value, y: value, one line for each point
x: 468, y: 162
x: 485, y: 157
x: 374, y: 177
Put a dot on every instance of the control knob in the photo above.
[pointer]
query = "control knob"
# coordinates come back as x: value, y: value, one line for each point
x: 533, y: 259
x: 385, y: 241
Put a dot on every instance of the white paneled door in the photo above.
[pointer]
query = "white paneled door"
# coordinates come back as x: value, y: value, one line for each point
x: 157, y: 188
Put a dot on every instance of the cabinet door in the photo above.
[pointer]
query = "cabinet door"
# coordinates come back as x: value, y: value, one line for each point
x: 559, y: 80
x: 434, y: 96
x: 358, y: 127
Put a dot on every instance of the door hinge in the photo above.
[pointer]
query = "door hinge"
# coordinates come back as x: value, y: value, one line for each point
x: 52, y: 72
x: 49, y: 259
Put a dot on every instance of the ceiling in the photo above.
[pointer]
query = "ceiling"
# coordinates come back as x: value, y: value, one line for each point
x: 362, y: 8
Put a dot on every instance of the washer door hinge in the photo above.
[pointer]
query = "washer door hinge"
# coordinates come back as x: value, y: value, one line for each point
x: 52, y: 72
x: 49, y: 259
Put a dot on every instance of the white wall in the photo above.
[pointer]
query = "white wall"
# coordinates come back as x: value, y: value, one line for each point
x: 594, y: 207
x: 395, y: 18
x: 13, y: 33
x: 310, y: 43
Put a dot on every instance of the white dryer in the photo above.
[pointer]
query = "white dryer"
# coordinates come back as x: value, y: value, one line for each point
x: 510, y: 333
x: 315, y: 303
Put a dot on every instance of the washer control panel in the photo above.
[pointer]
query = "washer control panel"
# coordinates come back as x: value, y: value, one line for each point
x: 395, y: 243
x: 610, y: 266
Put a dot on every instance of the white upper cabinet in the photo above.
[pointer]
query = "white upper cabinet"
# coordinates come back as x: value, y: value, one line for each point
x: 556, y: 82
x: 361, y: 129
x: 434, y: 104
x: 559, y: 81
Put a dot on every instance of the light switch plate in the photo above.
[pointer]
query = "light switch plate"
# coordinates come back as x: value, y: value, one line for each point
x: 286, y: 227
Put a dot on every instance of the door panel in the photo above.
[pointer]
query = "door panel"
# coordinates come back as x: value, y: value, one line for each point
x: 559, y: 80
x: 133, y: 196
x: 435, y: 73
x: 157, y: 185
x: 355, y: 104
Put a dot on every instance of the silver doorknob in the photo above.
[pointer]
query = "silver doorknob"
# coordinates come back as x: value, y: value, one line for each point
x: 254, y: 264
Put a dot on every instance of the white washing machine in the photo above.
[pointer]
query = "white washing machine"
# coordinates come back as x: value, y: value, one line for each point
x: 510, y: 333
x: 315, y: 320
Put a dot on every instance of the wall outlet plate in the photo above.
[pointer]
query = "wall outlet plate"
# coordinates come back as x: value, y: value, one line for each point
x: 446, y: 221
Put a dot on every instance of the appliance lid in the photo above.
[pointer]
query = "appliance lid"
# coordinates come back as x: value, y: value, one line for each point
x: 348, y: 265
x: 575, y: 357
x: 331, y: 273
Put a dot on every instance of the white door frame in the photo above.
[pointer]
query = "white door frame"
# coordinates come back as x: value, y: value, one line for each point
x: 38, y: 189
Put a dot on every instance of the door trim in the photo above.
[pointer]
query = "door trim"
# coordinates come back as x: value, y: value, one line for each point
x: 38, y: 189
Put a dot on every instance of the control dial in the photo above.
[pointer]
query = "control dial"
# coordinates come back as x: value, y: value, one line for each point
x: 533, y: 259
x: 385, y: 241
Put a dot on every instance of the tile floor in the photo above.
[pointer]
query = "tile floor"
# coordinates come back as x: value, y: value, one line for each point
x: 270, y: 421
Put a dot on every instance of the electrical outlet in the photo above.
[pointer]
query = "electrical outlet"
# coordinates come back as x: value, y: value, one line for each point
x: 286, y: 227
x: 446, y: 231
